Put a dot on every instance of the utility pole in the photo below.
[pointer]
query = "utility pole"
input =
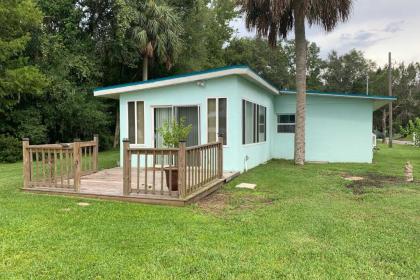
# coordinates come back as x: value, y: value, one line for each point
x: 367, y: 84
x: 390, y: 103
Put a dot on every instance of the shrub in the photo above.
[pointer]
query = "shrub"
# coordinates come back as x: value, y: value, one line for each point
x: 10, y: 149
x: 174, y: 132
x: 413, y: 128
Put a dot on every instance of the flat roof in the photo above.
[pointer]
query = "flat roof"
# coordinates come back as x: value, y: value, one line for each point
x: 378, y: 100
x: 241, y: 70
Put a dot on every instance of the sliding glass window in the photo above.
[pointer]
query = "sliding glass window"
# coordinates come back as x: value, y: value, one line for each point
x: 253, y: 122
x: 136, y: 122
x: 216, y: 119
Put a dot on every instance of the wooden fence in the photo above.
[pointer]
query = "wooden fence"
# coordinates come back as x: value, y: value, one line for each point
x: 176, y: 172
x: 58, y: 165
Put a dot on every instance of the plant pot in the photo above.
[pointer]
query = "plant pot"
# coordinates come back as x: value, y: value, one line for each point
x: 173, y: 173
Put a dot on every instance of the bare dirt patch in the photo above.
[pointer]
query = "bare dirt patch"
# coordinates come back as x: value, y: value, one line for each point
x: 226, y: 202
x: 370, y: 180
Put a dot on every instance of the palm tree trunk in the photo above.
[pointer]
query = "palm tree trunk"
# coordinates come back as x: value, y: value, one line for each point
x: 300, y: 47
x: 145, y: 67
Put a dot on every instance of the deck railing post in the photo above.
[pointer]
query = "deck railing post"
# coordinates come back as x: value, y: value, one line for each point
x: 126, y: 167
x: 182, y: 169
x: 77, y: 165
x: 26, y: 163
x: 220, y: 157
x: 95, y: 152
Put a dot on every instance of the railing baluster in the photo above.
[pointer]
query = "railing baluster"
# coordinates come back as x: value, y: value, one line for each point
x: 138, y: 171
x: 212, y: 163
x: 145, y: 171
x: 61, y: 167
x: 43, y: 165
x: 153, y: 170
x: 67, y: 167
x: 194, y: 163
x: 200, y: 166
x: 55, y: 168
x: 37, y: 164
x: 161, y: 172
x: 189, y: 170
x: 170, y: 173
x: 208, y: 163
x: 90, y: 157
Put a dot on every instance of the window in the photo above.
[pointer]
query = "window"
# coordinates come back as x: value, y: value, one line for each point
x: 254, y: 118
x: 136, y: 122
x: 216, y: 119
x: 286, y: 123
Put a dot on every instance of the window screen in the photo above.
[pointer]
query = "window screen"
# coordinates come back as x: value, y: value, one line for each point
x: 136, y: 122
x: 286, y: 123
x: 216, y: 119
x: 253, y: 122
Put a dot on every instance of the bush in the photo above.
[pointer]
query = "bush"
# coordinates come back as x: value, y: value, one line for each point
x: 10, y: 149
x: 413, y: 128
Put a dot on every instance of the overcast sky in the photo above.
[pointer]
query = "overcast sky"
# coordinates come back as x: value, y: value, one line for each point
x: 375, y: 27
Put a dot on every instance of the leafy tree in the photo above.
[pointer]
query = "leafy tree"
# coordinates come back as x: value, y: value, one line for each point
x: 68, y: 58
x: 347, y: 73
x: 273, y: 18
x: 314, y: 65
x: 270, y: 63
x: 18, y: 79
x: 21, y: 82
x: 207, y: 30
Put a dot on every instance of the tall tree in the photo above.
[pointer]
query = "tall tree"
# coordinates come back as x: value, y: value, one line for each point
x: 156, y: 31
x: 207, y: 31
x: 21, y: 82
x: 314, y: 65
x: 67, y: 47
x: 270, y: 63
x: 347, y: 72
x: 277, y: 18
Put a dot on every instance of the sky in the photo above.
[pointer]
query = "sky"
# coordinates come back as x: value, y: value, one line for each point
x: 375, y: 27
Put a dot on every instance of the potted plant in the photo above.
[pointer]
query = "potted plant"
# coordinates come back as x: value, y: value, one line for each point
x: 173, y: 133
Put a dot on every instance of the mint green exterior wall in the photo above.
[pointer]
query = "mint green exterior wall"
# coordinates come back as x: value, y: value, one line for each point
x: 251, y: 155
x: 338, y: 129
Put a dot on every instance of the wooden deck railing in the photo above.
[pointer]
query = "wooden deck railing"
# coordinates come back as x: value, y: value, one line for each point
x: 58, y: 165
x: 176, y: 172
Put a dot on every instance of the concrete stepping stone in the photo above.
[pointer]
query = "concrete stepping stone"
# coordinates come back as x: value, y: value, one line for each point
x: 246, y: 186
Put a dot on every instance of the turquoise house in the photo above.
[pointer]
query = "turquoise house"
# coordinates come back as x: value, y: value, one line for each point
x: 256, y: 119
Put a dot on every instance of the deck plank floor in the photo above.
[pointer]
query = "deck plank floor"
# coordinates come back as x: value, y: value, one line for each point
x: 108, y: 183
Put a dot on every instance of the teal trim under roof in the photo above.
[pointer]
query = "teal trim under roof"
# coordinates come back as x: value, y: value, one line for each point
x: 342, y: 94
x: 179, y: 76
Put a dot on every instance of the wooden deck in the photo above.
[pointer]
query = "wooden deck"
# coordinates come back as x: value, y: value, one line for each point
x: 108, y: 184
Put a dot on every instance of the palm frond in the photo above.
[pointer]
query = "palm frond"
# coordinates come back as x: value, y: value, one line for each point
x: 274, y: 18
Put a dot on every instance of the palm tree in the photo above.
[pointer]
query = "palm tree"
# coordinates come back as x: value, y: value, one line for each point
x: 156, y: 32
x: 274, y: 18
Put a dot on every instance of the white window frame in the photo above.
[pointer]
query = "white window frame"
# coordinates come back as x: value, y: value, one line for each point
x: 284, y: 124
x: 217, y: 117
x: 242, y: 123
x: 135, y: 123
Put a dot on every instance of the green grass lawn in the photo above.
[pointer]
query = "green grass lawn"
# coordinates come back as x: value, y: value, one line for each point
x: 302, y: 222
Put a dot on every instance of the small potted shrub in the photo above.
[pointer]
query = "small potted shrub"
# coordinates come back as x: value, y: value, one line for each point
x: 173, y: 133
